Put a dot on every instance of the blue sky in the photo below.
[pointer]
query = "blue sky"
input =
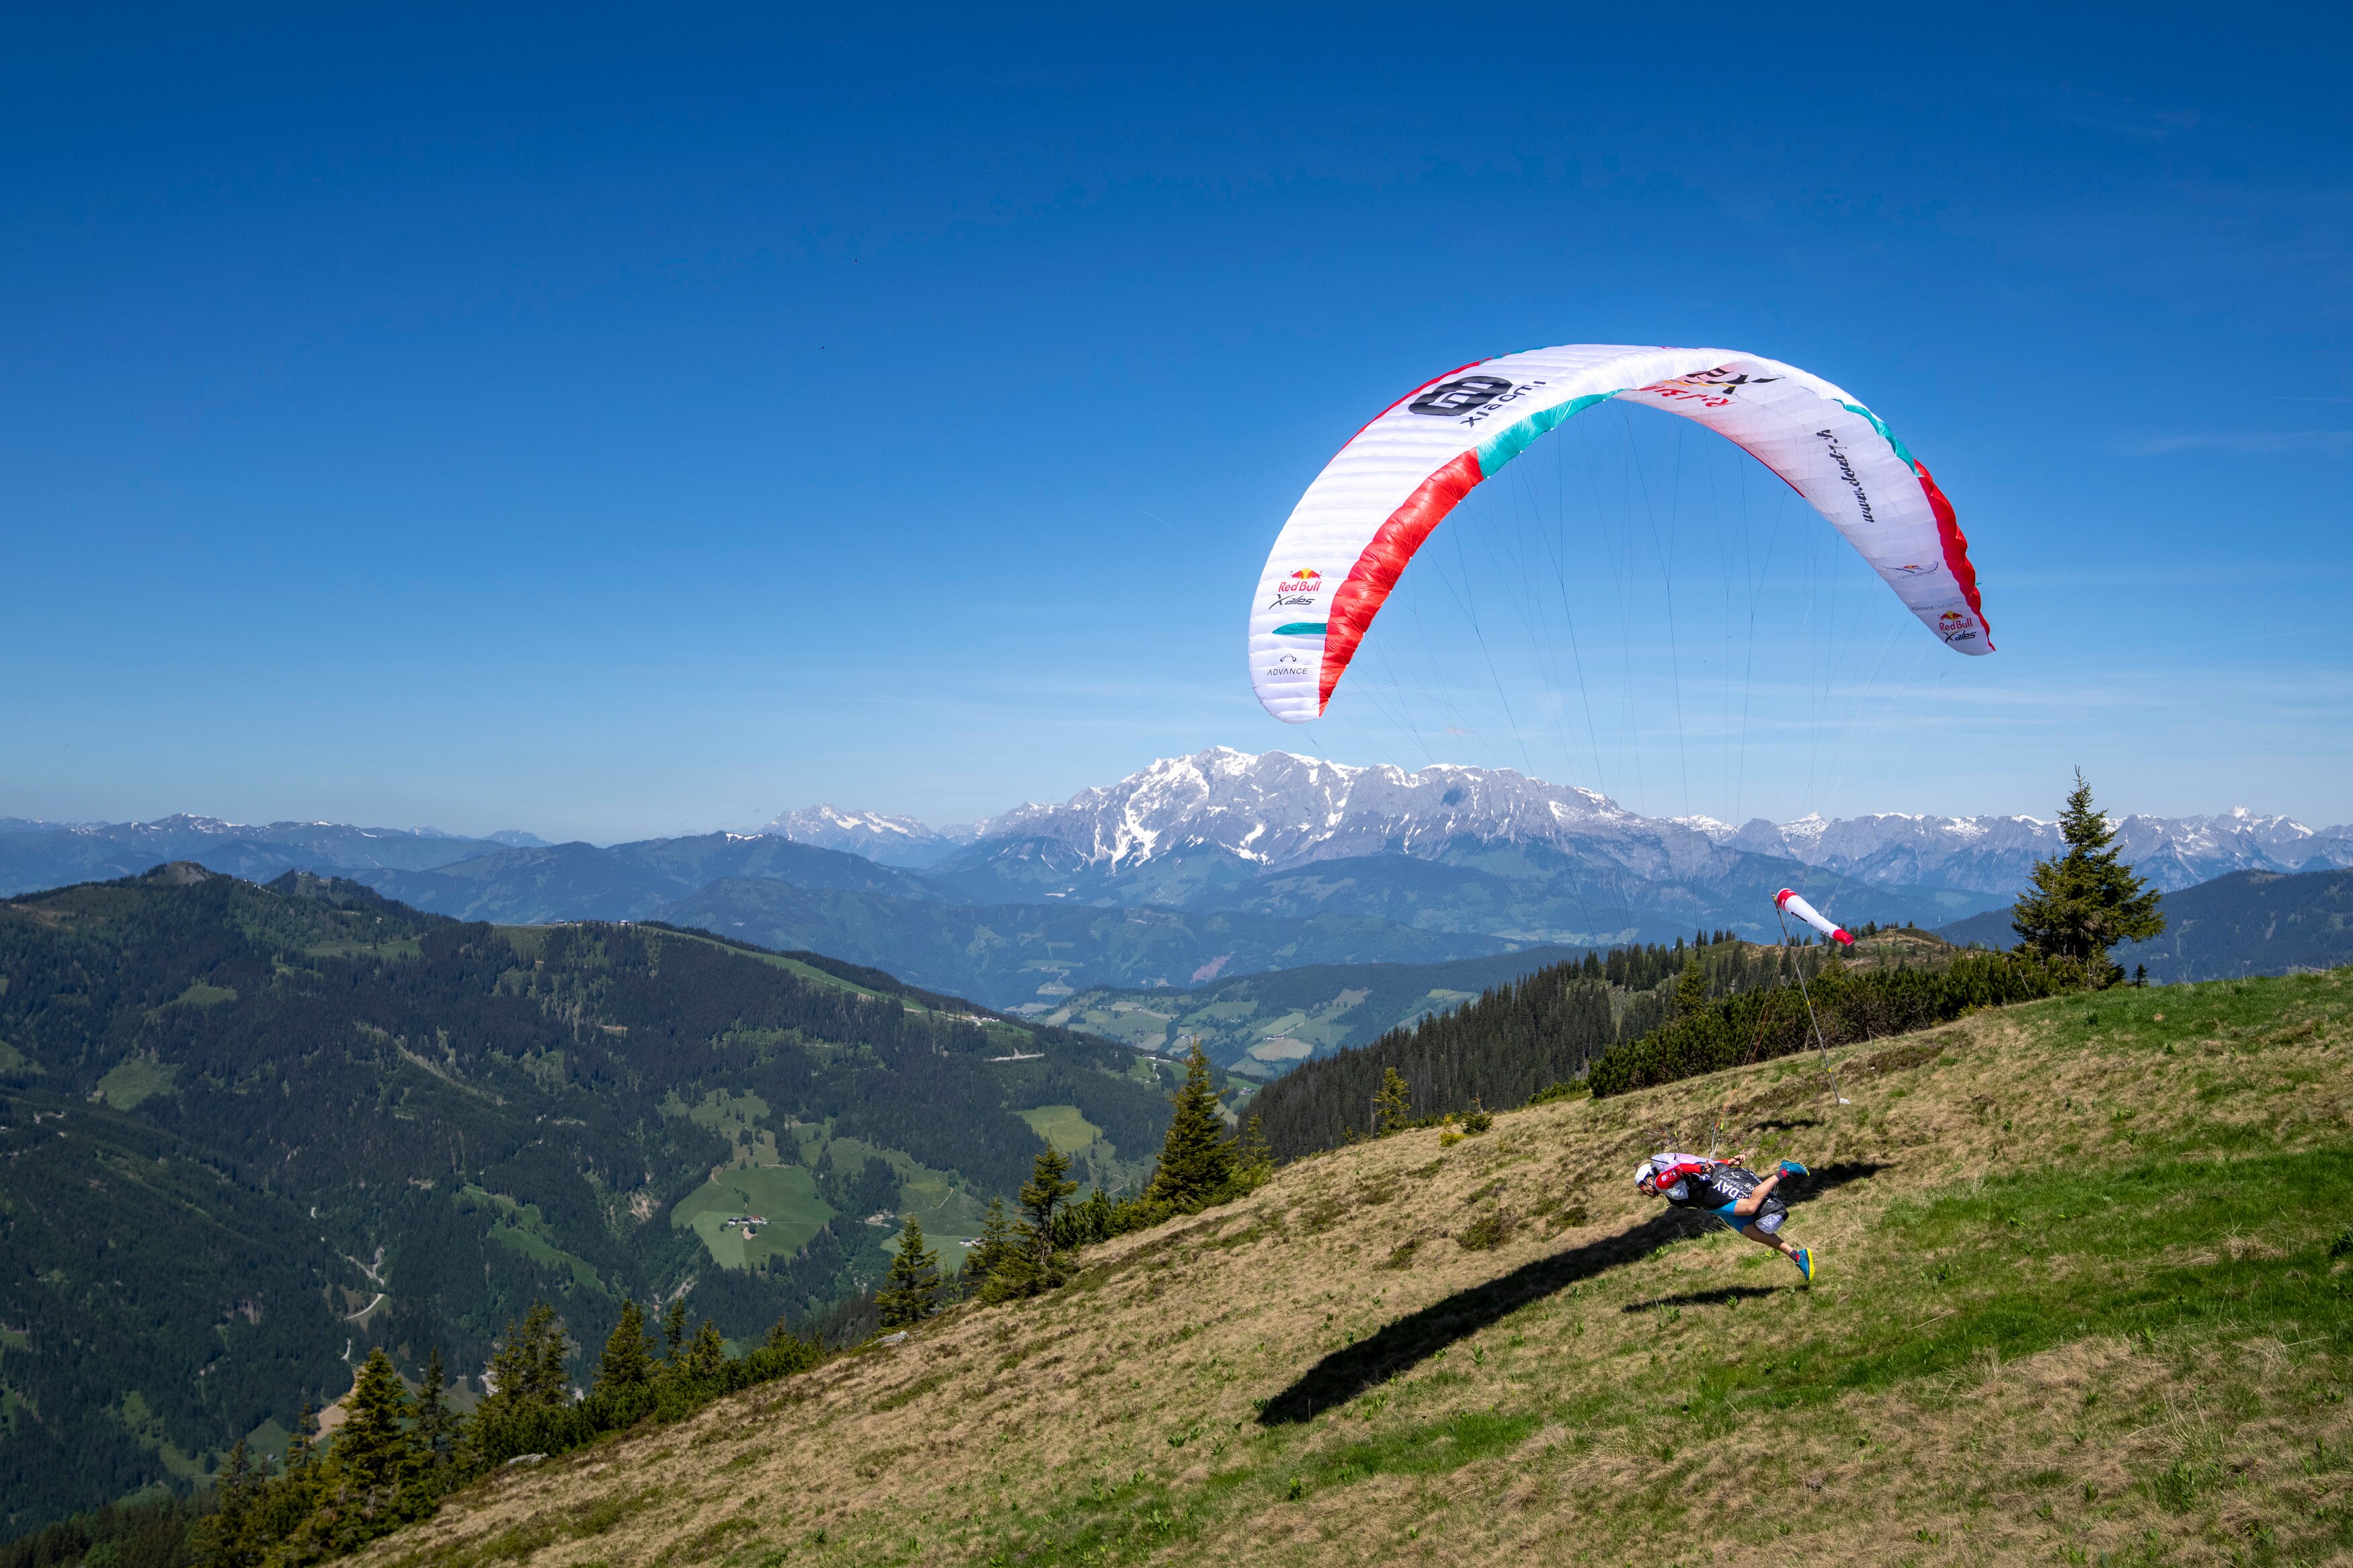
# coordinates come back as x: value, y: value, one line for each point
x: 613, y: 423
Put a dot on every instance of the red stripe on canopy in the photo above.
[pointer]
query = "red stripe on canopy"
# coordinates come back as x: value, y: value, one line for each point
x: 1957, y: 548
x: 1367, y: 587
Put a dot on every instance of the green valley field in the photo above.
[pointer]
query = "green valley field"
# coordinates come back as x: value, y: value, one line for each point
x: 2084, y: 1299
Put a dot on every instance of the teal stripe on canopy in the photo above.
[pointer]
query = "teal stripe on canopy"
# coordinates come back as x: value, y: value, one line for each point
x: 1509, y: 443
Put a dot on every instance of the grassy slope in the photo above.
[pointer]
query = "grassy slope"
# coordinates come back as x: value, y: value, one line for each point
x: 2078, y: 1298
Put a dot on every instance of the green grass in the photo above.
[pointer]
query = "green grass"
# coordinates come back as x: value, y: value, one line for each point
x: 1063, y: 1127
x: 729, y: 1115
x: 136, y: 1080
x: 946, y: 1211
x: 2018, y: 1265
x: 786, y: 1194
x: 2087, y: 1295
x: 522, y: 1228
x: 199, y: 994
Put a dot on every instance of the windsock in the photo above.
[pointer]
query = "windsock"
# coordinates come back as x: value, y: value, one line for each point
x: 1788, y: 902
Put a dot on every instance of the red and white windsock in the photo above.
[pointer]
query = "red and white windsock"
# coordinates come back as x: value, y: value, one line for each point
x: 1790, y: 903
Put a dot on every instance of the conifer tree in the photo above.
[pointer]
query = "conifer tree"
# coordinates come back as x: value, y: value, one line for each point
x: 1254, y: 1155
x: 911, y: 1292
x: 303, y: 1447
x: 706, y: 1353
x: 374, y: 1453
x: 436, y: 1424
x: 1392, y: 1108
x: 527, y: 1367
x: 1046, y: 1191
x: 995, y: 1251
x: 225, y: 1537
x: 1029, y: 1265
x: 674, y: 1329
x: 2085, y: 900
x: 628, y: 1359
x: 1196, y: 1157
x: 1691, y: 987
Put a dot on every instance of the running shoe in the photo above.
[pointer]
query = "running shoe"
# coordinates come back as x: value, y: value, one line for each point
x: 1805, y: 1262
x: 1791, y: 1168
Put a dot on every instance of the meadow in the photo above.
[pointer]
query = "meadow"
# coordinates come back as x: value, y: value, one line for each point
x: 2083, y: 1298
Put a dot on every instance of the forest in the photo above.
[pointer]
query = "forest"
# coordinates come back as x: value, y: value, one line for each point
x: 1519, y: 1039
x: 253, y: 1131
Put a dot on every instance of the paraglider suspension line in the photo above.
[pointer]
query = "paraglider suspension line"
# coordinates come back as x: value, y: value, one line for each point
x: 1799, y: 965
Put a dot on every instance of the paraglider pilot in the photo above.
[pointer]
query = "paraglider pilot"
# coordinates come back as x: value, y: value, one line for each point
x: 1741, y: 1198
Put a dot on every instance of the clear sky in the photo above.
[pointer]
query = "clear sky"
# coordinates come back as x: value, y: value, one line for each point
x: 612, y: 423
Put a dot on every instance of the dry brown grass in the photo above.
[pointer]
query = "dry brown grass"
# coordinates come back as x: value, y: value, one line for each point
x: 1624, y: 1417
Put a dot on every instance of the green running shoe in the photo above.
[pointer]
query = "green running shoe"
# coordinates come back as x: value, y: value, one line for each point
x: 1805, y: 1262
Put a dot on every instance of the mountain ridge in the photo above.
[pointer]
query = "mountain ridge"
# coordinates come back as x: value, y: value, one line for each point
x: 217, y: 1097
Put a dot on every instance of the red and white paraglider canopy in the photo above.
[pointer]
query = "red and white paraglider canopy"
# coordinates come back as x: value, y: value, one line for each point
x: 1350, y: 536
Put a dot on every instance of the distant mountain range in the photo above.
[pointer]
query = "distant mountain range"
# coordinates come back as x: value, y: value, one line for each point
x: 1222, y: 863
x: 2248, y: 922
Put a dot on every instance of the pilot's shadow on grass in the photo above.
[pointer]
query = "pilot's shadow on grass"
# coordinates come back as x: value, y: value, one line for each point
x: 1407, y: 1343
x: 1719, y: 1297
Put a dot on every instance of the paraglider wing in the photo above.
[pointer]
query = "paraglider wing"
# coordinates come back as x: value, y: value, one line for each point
x: 1350, y: 536
x: 1790, y: 903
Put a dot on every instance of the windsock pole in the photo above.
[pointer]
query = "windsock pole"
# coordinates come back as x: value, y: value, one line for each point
x: 1799, y: 966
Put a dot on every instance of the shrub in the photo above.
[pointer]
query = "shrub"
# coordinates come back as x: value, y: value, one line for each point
x: 1759, y: 1026
x: 1488, y: 1232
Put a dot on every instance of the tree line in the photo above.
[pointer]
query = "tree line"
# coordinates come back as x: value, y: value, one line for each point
x: 1516, y: 1039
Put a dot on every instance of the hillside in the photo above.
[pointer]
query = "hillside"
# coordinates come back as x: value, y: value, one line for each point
x: 250, y: 1131
x: 2248, y: 922
x: 2082, y: 1296
x: 1030, y: 956
x: 1261, y: 1024
x: 2251, y: 922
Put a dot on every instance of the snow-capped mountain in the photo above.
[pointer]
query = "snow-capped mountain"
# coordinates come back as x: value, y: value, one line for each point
x: 1278, y: 813
x: 1278, y: 810
x: 1992, y: 854
x: 890, y: 840
x: 1440, y: 849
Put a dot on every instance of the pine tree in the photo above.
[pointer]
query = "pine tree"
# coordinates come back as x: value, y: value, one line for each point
x: 2085, y: 900
x: 706, y: 1353
x: 1029, y: 1265
x: 911, y: 1292
x: 374, y: 1454
x: 303, y: 1447
x: 1046, y: 1191
x: 674, y: 1329
x: 527, y: 1367
x: 225, y: 1537
x: 436, y: 1424
x: 995, y: 1251
x: 1196, y: 1157
x: 628, y: 1359
x: 1392, y: 1108
x: 1254, y: 1155
x: 1691, y: 987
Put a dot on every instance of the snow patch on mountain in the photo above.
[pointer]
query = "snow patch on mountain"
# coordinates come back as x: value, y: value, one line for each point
x: 1279, y: 810
x: 888, y: 840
